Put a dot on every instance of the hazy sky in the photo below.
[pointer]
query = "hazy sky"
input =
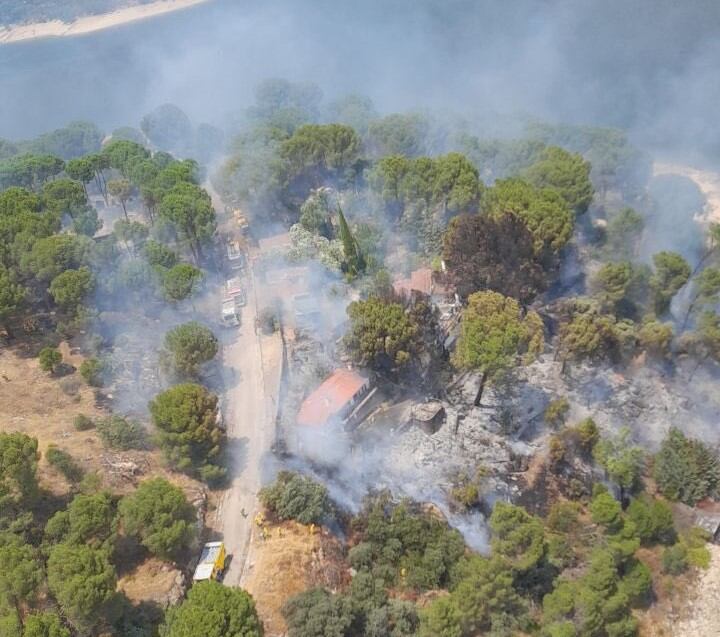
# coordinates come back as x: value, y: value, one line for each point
x: 647, y: 64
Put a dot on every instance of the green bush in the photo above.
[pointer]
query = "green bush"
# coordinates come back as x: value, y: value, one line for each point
x: 296, y: 497
x: 686, y: 469
x: 83, y: 422
x: 160, y: 517
x: 92, y: 370
x: 556, y: 412
x: 64, y: 463
x: 49, y: 358
x: 653, y: 519
x: 675, y: 559
x: 120, y: 433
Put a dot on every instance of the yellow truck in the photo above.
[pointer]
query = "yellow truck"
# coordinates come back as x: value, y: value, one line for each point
x: 212, y: 562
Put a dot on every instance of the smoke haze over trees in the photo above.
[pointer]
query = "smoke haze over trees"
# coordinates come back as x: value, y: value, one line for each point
x: 646, y: 65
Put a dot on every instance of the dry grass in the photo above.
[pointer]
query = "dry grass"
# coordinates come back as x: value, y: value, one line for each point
x: 44, y: 407
x: 151, y: 581
x: 291, y: 560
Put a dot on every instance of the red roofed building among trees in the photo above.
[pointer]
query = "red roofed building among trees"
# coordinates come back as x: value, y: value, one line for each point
x: 334, y: 400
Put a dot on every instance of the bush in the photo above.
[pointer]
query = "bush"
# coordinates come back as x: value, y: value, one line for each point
x: 653, y: 520
x: 697, y: 553
x: 160, y: 516
x: 675, y: 559
x: 83, y: 422
x: 64, y: 463
x: 187, y: 430
x: 296, y: 497
x: 188, y: 347
x: 49, y: 358
x: 556, y: 412
x: 120, y: 433
x: 686, y: 469
x: 92, y: 369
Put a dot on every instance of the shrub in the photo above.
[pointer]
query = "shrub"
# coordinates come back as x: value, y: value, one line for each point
x: 606, y: 510
x: 653, y: 520
x: 49, y: 358
x: 296, y: 497
x: 686, y: 469
x: 83, y: 422
x: 120, y: 433
x: 556, y: 412
x: 160, y: 516
x: 698, y: 554
x: 187, y: 430
x: 64, y: 463
x: 563, y: 516
x: 675, y: 559
x: 92, y: 369
x: 188, y: 347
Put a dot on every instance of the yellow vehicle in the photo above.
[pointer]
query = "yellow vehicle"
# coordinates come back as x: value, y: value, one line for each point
x: 212, y: 562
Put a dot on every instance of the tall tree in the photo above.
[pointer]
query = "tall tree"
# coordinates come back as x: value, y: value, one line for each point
x: 121, y: 189
x: 188, y: 432
x: 671, y: 273
x: 495, y: 336
x: 566, y: 173
x: 354, y: 261
x: 213, y: 610
x: 161, y: 518
x: 549, y: 219
x: 482, y: 252
x: 82, y: 580
x: 187, y: 347
x: 189, y: 208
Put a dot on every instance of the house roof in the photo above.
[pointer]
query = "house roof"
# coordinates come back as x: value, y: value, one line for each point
x: 330, y: 397
x: 419, y: 281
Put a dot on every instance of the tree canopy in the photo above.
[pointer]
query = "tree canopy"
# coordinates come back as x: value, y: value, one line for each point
x: 482, y: 252
x: 566, y: 173
x: 495, y: 336
x: 188, y: 432
x: 213, y: 610
x: 82, y: 580
x: 188, y: 346
x: 382, y: 335
x: 160, y: 517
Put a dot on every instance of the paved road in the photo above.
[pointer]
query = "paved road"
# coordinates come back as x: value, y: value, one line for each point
x: 247, y: 420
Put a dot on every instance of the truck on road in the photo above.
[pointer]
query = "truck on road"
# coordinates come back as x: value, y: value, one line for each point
x: 234, y: 299
x: 212, y: 563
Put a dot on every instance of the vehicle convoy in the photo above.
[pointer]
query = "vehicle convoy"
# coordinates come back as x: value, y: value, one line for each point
x: 234, y: 299
x: 212, y: 563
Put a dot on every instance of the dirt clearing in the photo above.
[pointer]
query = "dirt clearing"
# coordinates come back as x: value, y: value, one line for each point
x: 291, y: 559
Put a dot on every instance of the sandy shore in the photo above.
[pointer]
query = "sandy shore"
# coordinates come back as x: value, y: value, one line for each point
x: 89, y: 24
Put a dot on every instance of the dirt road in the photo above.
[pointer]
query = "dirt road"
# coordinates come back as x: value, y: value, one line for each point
x: 707, y: 181
x: 250, y: 362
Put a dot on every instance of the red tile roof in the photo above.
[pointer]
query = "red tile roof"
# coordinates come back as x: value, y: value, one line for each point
x: 328, y: 400
x: 420, y: 281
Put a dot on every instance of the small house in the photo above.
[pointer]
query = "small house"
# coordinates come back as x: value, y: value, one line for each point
x: 334, y: 400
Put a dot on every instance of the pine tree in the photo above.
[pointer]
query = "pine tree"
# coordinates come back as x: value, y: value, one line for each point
x: 354, y: 260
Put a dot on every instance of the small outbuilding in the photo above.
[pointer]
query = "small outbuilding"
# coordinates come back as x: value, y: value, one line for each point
x: 334, y: 400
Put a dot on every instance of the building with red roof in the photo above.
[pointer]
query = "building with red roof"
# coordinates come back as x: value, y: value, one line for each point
x: 419, y: 281
x: 334, y: 400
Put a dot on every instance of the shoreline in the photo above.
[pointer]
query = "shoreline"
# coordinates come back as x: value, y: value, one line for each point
x: 92, y: 23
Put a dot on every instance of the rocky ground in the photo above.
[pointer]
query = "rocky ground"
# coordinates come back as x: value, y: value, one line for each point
x: 700, y: 617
